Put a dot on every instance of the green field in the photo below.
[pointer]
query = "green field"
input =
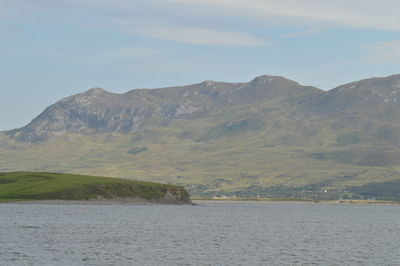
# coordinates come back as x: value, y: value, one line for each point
x: 18, y: 186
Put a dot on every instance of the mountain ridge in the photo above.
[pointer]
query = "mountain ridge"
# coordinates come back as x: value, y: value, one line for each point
x: 266, y: 135
x: 62, y: 116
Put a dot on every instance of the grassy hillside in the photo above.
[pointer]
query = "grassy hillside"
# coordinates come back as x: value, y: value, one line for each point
x: 52, y: 186
x: 242, y: 166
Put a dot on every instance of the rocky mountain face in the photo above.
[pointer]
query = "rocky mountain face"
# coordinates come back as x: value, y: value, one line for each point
x: 369, y: 108
x: 217, y: 137
x: 98, y: 111
x: 366, y: 110
x: 378, y: 97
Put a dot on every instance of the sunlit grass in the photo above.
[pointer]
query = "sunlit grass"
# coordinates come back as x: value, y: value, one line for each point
x: 38, y: 185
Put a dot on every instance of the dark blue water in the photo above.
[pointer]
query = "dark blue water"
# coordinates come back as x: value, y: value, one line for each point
x: 241, y: 233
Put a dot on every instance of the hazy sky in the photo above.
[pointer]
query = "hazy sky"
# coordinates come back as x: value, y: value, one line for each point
x: 50, y: 49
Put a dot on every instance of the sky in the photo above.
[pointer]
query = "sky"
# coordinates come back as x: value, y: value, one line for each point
x: 50, y: 49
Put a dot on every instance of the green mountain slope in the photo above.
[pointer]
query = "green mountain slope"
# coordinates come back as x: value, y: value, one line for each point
x: 270, y: 135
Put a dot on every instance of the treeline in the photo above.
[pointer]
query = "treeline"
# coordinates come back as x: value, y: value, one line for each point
x: 372, y: 191
x: 389, y: 190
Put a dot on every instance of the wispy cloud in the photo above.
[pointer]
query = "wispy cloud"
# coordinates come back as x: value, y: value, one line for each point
x: 385, y: 52
x: 175, y: 21
x: 200, y: 36
x: 370, y: 14
x: 186, y: 34
x: 177, y: 25
x: 300, y: 34
x: 146, y: 22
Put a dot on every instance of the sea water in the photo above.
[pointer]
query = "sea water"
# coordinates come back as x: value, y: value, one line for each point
x: 211, y: 233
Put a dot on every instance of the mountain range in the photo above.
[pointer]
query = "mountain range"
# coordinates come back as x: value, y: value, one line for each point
x: 268, y: 137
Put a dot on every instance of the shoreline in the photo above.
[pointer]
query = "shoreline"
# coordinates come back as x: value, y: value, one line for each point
x: 74, y: 202
x: 195, y: 201
x: 98, y: 201
x: 296, y: 201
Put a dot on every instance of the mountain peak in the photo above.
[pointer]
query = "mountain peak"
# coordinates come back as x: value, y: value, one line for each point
x: 269, y: 79
x: 96, y: 90
x: 208, y: 83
